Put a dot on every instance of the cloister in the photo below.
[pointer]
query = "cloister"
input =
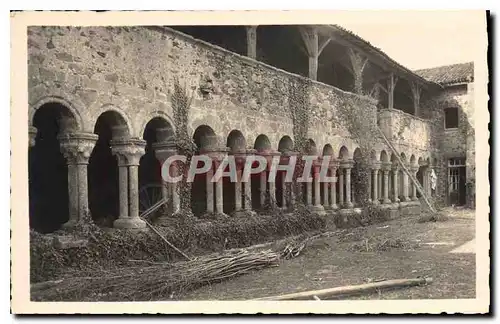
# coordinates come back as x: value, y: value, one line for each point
x: 77, y: 176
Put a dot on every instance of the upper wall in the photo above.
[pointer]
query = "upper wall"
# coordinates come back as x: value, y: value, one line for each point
x: 132, y: 70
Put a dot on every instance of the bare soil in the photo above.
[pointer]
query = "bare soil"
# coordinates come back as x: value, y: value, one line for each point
x: 392, y: 250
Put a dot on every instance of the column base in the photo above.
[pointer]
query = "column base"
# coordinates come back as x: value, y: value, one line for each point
x: 129, y: 223
x: 344, y: 218
x: 318, y: 209
x: 243, y: 213
x: 72, y: 223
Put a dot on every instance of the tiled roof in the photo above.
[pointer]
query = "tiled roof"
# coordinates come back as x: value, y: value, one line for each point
x: 368, y: 47
x: 449, y: 74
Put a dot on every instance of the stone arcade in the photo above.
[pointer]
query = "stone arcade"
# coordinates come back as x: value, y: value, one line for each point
x: 101, y: 119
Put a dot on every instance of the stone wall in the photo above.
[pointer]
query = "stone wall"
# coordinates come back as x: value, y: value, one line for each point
x: 131, y: 70
x: 409, y: 134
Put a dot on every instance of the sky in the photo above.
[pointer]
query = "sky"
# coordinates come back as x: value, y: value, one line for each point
x: 421, y: 39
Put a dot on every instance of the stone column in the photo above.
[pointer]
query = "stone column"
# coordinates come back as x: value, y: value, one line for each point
x: 406, y: 185
x: 375, y: 169
x: 263, y: 187
x: 237, y: 191
x: 341, y: 186
x: 395, y: 188
x: 317, y: 190
x: 326, y: 194
x: 386, y: 171
x: 284, y: 198
x: 272, y: 192
x: 128, y: 152
x: 309, y: 189
x: 174, y: 190
x: 333, y: 188
x: 210, y: 190
x: 414, y: 187
x: 77, y: 148
x: 370, y: 191
x: 219, y: 197
x: 247, y: 187
x: 164, y: 150
x: 348, y: 202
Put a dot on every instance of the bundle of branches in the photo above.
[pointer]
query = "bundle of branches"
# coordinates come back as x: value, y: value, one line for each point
x: 156, y: 282
x: 295, y: 247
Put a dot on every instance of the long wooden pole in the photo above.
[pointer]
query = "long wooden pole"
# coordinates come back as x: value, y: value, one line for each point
x: 349, y: 290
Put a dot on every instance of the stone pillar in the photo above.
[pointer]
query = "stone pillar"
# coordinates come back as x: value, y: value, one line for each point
x: 237, y: 191
x: 326, y: 194
x: 395, y: 182
x: 317, y: 191
x: 309, y: 189
x: 263, y: 187
x: 284, y: 198
x: 219, y: 197
x: 406, y: 186
x: 128, y: 152
x: 348, y: 202
x: 375, y: 169
x: 414, y: 197
x: 310, y: 38
x: 164, y: 150
x: 77, y: 148
x: 210, y: 190
x: 247, y: 187
x: 370, y: 191
x: 32, y: 131
x: 341, y: 187
x: 386, y: 171
x: 272, y: 193
x: 174, y: 190
x: 251, y: 41
x: 333, y: 188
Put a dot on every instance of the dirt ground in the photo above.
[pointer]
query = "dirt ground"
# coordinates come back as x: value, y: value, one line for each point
x: 401, y: 248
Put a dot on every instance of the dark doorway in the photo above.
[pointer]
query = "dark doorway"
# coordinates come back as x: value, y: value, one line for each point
x: 456, y: 182
x: 48, y: 171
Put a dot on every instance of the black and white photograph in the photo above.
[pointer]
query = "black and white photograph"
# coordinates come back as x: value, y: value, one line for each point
x: 336, y: 160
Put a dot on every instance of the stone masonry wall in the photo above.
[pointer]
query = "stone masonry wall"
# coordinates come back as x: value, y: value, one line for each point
x: 131, y: 70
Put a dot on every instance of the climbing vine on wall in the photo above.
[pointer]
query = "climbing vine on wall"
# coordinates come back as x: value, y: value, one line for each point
x: 299, y: 105
x: 181, y: 103
x: 353, y: 114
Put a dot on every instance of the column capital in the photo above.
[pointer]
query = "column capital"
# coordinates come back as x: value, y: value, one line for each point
x: 346, y: 164
x: 77, y: 147
x: 164, y: 150
x: 128, y: 151
x: 32, y: 131
x: 376, y: 165
x: 216, y: 153
x: 395, y: 167
x: 386, y: 166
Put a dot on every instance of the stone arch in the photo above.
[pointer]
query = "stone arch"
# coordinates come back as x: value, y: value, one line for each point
x: 311, y: 147
x: 155, y: 115
x: 104, y: 189
x: 205, y: 138
x: 343, y: 153
x: 47, y: 167
x: 328, y: 150
x: 383, y: 156
x: 236, y: 141
x: 413, y: 160
x: 285, y: 144
x: 70, y: 110
x: 118, y: 115
x: 262, y: 143
x: 157, y: 131
x: 214, y: 125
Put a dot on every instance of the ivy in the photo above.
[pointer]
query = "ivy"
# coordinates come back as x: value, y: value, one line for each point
x: 181, y: 103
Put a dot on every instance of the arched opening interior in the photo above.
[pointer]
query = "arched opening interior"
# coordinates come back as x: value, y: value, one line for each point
x: 48, y: 170
x: 285, y: 145
x: 384, y: 158
x: 103, y: 169
x: 151, y: 184
x: 205, y: 139
x: 237, y: 144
